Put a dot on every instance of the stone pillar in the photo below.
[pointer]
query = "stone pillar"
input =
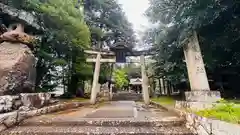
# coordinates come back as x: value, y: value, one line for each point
x: 95, y: 79
x: 113, y: 66
x: 195, y: 66
x: 111, y: 93
x: 145, y: 91
x: 200, y: 96
x: 98, y: 87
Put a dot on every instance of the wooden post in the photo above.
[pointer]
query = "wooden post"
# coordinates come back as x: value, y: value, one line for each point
x: 195, y: 66
x: 95, y: 79
x: 145, y: 91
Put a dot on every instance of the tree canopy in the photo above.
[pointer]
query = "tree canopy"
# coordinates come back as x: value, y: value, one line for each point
x: 120, y: 77
x: 108, y: 23
x: 217, y: 25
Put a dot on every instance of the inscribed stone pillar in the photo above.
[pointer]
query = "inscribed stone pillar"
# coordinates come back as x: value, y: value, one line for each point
x: 195, y: 66
x: 200, y: 96
x: 145, y: 91
x: 95, y: 79
x: 98, y: 87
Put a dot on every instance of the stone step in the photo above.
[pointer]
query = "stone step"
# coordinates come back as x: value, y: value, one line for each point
x: 127, y: 97
x: 113, y: 123
x: 96, y: 130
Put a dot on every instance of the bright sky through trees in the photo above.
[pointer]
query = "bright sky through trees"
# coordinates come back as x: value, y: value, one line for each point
x: 134, y: 10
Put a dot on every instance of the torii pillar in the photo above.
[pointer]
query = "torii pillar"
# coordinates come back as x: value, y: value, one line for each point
x: 145, y: 91
x: 94, y: 90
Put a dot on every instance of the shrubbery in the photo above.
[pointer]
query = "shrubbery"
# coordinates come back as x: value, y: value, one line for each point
x: 226, y: 111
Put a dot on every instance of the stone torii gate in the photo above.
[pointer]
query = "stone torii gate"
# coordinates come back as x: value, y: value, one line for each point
x: 118, y: 53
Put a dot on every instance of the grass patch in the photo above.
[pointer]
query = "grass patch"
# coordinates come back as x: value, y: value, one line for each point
x: 234, y: 101
x: 79, y: 99
x: 226, y: 111
x: 164, y: 100
x: 76, y: 99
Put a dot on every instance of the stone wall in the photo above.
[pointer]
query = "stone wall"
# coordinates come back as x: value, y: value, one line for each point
x: 9, y: 103
x: 204, y: 126
x: 8, y: 120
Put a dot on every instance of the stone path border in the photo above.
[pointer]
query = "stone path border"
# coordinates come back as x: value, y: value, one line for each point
x: 203, y: 126
x: 8, y: 120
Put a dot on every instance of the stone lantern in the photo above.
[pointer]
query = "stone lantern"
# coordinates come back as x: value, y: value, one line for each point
x: 17, y: 62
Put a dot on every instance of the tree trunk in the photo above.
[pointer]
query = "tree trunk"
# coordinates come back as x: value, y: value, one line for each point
x: 161, y: 86
x: 169, y: 88
x: 73, y: 84
x: 195, y: 66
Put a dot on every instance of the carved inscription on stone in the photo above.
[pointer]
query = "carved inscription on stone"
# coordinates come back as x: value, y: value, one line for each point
x: 200, y: 69
x: 198, y: 57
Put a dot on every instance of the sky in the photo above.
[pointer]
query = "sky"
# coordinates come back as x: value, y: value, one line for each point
x: 134, y: 10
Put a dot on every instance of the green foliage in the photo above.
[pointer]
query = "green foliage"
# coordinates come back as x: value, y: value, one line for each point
x: 65, y: 36
x: 108, y: 23
x: 65, y: 20
x: 185, y: 15
x: 226, y: 111
x: 120, y: 77
x: 133, y: 70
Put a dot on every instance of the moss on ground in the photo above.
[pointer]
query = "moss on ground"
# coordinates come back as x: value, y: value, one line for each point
x: 164, y: 100
x: 74, y: 100
x: 79, y: 99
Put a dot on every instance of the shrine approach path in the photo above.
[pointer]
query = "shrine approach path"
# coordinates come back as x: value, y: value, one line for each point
x: 112, y: 118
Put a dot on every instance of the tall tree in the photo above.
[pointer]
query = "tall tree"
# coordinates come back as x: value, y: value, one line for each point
x: 108, y: 25
x: 205, y: 17
x: 66, y: 35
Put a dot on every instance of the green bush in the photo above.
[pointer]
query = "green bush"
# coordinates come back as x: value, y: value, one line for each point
x: 226, y: 111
